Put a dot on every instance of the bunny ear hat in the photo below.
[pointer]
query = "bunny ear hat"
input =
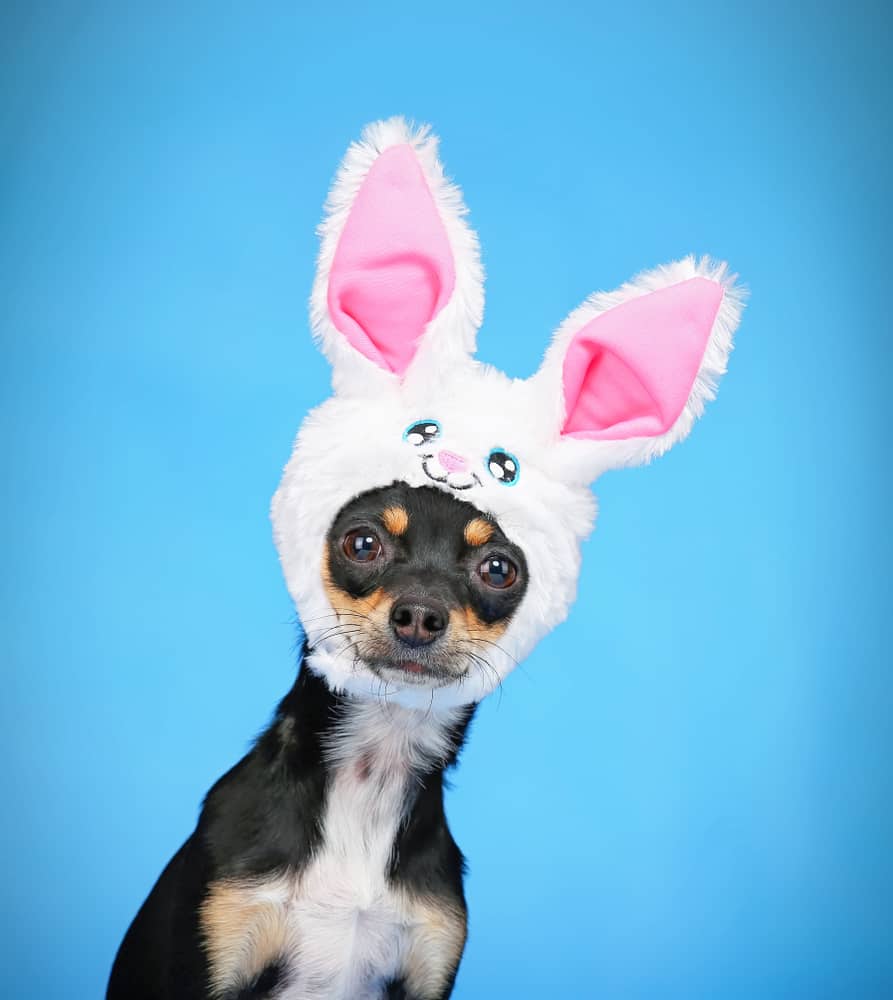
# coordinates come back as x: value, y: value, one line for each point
x: 396, y: 305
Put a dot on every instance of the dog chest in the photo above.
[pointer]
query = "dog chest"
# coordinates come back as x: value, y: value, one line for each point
x: 348, y: 927
x: 340, y: 929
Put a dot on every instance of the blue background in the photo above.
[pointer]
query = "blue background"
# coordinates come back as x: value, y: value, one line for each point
x: 687, y: 791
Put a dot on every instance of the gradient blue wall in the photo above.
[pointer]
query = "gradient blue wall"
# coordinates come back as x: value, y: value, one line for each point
x: 686, y: 791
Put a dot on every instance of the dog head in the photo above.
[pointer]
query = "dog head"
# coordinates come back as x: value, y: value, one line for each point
x: 422, y: 586
x: 416, y: 424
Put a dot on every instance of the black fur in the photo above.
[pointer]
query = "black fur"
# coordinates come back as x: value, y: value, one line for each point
x: 264, y: 817
x: 260, y: 818
x: 432, y: 556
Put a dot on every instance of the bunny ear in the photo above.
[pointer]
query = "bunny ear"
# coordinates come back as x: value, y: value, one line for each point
x: 634, y: 368
x: 398, y: 267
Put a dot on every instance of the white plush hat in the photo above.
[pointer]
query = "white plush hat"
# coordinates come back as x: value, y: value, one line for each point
x: 396, y: 305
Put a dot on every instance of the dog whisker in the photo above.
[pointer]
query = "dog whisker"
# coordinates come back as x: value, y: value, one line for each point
x: 487, y: 666
x: 333, y: 630
x: 475, y: 636
x: 338, y: 613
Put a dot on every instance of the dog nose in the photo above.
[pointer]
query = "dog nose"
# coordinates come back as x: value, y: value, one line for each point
x: 418, y: 622
x: 451, y: 461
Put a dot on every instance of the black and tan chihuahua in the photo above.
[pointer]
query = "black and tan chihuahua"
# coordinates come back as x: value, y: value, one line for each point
x: 340, y: 793
x: 322, y: 867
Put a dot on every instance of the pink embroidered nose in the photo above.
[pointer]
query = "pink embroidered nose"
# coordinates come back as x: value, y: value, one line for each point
x: 451, y: 461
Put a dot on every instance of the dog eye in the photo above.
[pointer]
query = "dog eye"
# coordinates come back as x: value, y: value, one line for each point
x: 498, y: 572
x: 503, y: 466
x: 422, y: 432
x: 362, y: 545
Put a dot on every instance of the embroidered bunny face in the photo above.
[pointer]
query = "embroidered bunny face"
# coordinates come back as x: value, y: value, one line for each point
x: 457, y: 471
x: 440, y: 465
x: 396, y: 305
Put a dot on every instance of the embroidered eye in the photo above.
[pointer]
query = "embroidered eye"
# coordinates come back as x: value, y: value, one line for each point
x: 422, y: 432
x: 503, y: 466
x: 361, y: 545
x: 498, y: 572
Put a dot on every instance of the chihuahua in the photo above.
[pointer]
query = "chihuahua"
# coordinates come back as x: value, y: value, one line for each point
x: 429, y: 524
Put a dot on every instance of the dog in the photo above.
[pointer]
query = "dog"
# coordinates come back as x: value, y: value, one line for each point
x: 429, y: 524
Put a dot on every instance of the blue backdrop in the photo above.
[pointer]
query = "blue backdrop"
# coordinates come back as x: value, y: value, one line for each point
x: 686, y: 791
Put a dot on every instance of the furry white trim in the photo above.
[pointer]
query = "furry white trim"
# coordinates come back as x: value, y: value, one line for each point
x: 453, y: 333
x: 584, y: 460
x: 354, y: 441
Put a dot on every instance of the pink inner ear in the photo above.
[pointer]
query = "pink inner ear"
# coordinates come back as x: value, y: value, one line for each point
x: 629, y: 372
x: 393, y: 268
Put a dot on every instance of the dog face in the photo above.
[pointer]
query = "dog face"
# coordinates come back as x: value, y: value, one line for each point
x: 422, y: 586
x: 396, y: 305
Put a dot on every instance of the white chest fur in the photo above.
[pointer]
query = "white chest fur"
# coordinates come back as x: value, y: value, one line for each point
x: 352, y: 930
x: 349, y: 926
x: 343, y: 929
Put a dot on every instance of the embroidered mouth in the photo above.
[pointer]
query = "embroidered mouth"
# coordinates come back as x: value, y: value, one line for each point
x: 446, y: 478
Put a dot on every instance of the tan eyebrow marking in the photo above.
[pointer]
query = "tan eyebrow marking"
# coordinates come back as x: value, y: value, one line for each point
x: 478, y: 531
x: 395, y: 519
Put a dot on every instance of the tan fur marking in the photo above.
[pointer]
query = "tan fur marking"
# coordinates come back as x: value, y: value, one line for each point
x: 369, y: 618
x: 244, y: 930
x: 395, y: 519
x: 467, y: 625
x: 436, y: 941
x: 374, y: 599
x: 478, y: 531
x: 345, y: 604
